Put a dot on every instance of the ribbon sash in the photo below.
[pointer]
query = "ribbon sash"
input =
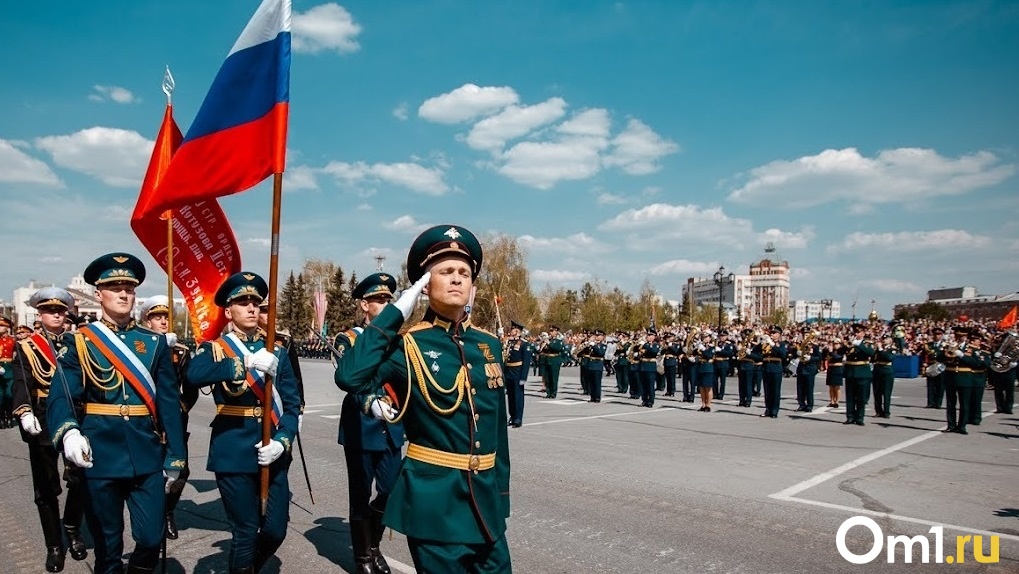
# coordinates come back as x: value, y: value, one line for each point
x: 234, y: 347
x: 126, y: 362
x: 42, y: 343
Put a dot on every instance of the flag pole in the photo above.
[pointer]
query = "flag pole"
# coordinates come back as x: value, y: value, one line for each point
x: 168, y: 86
x: 270, y: 327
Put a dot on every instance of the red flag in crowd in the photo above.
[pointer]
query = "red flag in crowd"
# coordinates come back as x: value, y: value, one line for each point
x: 1010, y: 318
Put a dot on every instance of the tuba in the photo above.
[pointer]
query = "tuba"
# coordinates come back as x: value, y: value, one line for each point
x: 1007, y: 354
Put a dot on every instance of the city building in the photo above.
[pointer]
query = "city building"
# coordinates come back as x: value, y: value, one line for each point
x: 85, y: 302
x: 748, y: 297
x: 964, y: 302
x: 821, y: 310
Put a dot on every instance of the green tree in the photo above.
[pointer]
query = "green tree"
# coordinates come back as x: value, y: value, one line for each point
x: 504, y: 286
x: 340, y: 305
x: 559, y: 306
x: 933, y: 311
x: 776, y: 317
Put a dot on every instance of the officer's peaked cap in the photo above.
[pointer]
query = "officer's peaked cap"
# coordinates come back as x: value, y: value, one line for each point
x: 155, y: 305
x: 115, y: 268
x: 442, y: 241
x: 375, y: 285
x: 239, y: 286
x: 51, y: 297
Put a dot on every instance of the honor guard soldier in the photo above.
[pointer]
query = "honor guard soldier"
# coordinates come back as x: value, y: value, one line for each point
x: 806, y: 372
x: 235, y: 366
x: 883, y: 377
x: 155, y: 314
x: 516, y: 359
x: 371, y: 446
x: 35, y: 370
x: 6, y: 376
x: 858, y: 375
x: 648, y: 371
x: 593, y: 367
x: 551, y: 357
x: 287, y: 342
x: 774, y: 353
x: 130, y: 441
x: 451, y: 497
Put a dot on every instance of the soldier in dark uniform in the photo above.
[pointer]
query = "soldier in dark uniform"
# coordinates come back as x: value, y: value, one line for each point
x: 130, y: 441
x: 34, y: 370
x: 688, y: 368
x: 551, y: 355
x: 371, y: 446
x: 451, y: 497
x: 774, y: 352
x: 806, y: 373
x: 235, y: 366
x: 670, y: 355
x: 935, y: 384
x: 593, y: 367
x: 884, y: 377
x: 704, y: 370
x: 6, y: 376
x: 724, y: 352
x: 858, y: 375
x: 155, y: 314
x: 636, y: 390
x: 980, y: 361
x: 748, y: 354
x: 648, y: 353
x: 835, y: 356
x: 622, y: 360
x: 1003, y: 383
x: 517, y: 359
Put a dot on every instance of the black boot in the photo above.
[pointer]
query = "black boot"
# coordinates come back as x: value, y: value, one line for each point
x: 75, y: 543
x: 360, y: 542
x: 49, y: 518
x: 245, y: 570
x: 265, y: 548
x: 379, y: 565
x: 135, y: 569
x: 171, y: 527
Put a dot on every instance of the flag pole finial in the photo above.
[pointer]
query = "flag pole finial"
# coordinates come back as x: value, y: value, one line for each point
x: 168, y: 85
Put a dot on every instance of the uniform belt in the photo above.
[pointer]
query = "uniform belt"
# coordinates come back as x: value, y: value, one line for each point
x: 835, y: 364
x: 648, y: 360
x: 883, y: 364
x: 721, y: 358
x: 550, y: 354
x: 773, y: 360
x: 473, y: 462
x: 959, y: 370
x: 515, y: 364
x: 237, y: 411
x: 116, y: 410
x: 857, y: 363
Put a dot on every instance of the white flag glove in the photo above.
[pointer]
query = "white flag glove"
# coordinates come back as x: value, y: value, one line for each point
x: 31, y: 424
x: 382, y: 410
x: 300, y: 423
x: 171, y: 476
x: 269, y: 453
x: 171, y: 338
x: 409, y: 299
x: 262, y: 361
x: 958, y: 352
x: 77, y: 450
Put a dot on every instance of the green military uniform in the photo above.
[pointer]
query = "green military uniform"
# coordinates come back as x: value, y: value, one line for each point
x: 7, y: 343
x: 451, y: 497
x: 551, y: 356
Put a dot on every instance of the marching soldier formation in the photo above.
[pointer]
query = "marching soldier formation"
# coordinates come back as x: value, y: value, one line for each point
x: 111, y: 398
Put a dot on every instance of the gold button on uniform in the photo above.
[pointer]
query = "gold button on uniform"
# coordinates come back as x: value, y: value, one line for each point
x: 477, y: 444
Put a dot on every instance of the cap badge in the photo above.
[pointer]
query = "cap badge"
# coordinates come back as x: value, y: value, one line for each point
x: 384, y: 277
x: 452, y: 233
x: 249, y: 277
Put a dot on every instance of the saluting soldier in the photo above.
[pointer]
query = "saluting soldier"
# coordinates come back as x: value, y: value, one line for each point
x: 884, y: 377
x: 858, y: 375
x: 155, y: 314
x: 774, y: 352
x: 517, y: 359
x: 551, y: 355
x: 35, y: 370
x: 130, y: 441
x: 372, y: 448
x: 6, y: 376
x: 451, y: 497
x: 235, y: 366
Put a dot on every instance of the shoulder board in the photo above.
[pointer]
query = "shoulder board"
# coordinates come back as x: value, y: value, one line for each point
x: 485, y: 331
x: 145, y: 330
x: 420, y: 326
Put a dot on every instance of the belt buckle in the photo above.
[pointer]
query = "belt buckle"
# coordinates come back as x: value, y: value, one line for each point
x: 257, y: 413
x: 125, y: 412
x: 474, y: 463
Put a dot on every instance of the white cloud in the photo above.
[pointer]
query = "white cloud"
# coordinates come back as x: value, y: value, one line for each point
x: 788, y: 239
x: 559, y: 276
x: 261, y: 242
x: 326, y: 27
x: 114, y: 94
x: 606, y: 198
x: 892, y: 286
x: 365, y: 207
x: 467, y: 102
x: 114, y: 156
x: 685, y: 268
x: 897, y: 175
x: 576, y: 243
x: 637, y: 149
x: 913, y: 241
x: 18, y: 167
x: 494, y: 131
x: 401, y: 112
x: 544, y: 164
x: 406, y: 223
x: 409, y: 175
x: 299, y: 177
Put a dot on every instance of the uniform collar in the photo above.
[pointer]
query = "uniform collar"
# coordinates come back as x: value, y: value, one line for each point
x: 114, y: 327
x: 448, y: 325
x: 53, y: 336
x: 258, y: 336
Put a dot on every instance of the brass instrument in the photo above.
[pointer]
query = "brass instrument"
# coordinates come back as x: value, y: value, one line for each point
x: 806, y: 346
x: 691, y: 339
x: 1008, y: 353
x: 744, y: 346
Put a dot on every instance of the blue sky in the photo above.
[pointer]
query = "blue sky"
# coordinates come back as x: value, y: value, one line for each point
x: 875, y: 143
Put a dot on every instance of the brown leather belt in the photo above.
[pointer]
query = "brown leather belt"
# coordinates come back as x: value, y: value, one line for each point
x: 456, y: 461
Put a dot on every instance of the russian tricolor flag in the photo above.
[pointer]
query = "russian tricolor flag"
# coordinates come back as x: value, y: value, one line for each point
x: 239, y: 136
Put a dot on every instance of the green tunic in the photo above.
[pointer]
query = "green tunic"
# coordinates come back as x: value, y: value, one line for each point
x: 444, y: 411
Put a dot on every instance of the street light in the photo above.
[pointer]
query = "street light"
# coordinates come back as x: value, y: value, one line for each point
x: 722, y: 280
x: 825, y: 304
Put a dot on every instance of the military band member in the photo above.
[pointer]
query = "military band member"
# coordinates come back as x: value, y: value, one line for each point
x: 622, y: 360
x: 883, y: 377
x: 806, y: 373
x: 648, y: 353
x: 774, y: 352
x: 670, y: 355
x: 451, y: 497
x: 593, y: 367
x: 858, y: 375
x: 130, y: 441
x: 748, y: 354
x: 235, y: 366
x: 636, y: 386
x: 935, y: 384
x: 7, y: 343
x: 551, y: 356
x: 724, y: 352
x: 1003, y: 383
x: 372, y: 448
x: 956, y: 372
x: 155, y: 314
x: 703, y: 353
x: 835, y: 357
x: 517, y: 360
x: 35, y: 370
x: 980, y: 361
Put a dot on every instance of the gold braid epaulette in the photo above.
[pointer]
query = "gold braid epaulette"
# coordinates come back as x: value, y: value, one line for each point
x: 38, y: 371
x: 90, y: 369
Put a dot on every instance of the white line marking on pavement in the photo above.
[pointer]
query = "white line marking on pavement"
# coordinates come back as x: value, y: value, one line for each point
x: 640, y: 412
x: 331, y: 417
x: 311, y: 412
x: 322, y: 405
x: 816, y: 411
x: 567, y: 402
x: 397, y: 565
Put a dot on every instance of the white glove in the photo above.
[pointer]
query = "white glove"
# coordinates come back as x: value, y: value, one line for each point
x: 382, y: 410
x: 500, y: 331
x: 692, y: 359
x: 300, y: 423
x: 856, y: 342
x: 171, y: 338
x: 262, y: 361
x: 409, y: 299
x: 269, y: 453
x: 997, y: 354
x: 1012, y: 365
x: 958, y: 352
x: 171, y: 477
x: 3, y: 371
x: 31, y: 424
x: 77, y: 450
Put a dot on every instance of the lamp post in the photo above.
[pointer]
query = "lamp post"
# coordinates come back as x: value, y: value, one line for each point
x: 722, y: 280
x: 825, y: 304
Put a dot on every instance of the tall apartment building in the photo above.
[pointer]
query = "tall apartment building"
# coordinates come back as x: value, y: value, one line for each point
x: 749, y: 297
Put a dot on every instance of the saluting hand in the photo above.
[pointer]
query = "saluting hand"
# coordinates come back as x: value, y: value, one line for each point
x: 409, y: 298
